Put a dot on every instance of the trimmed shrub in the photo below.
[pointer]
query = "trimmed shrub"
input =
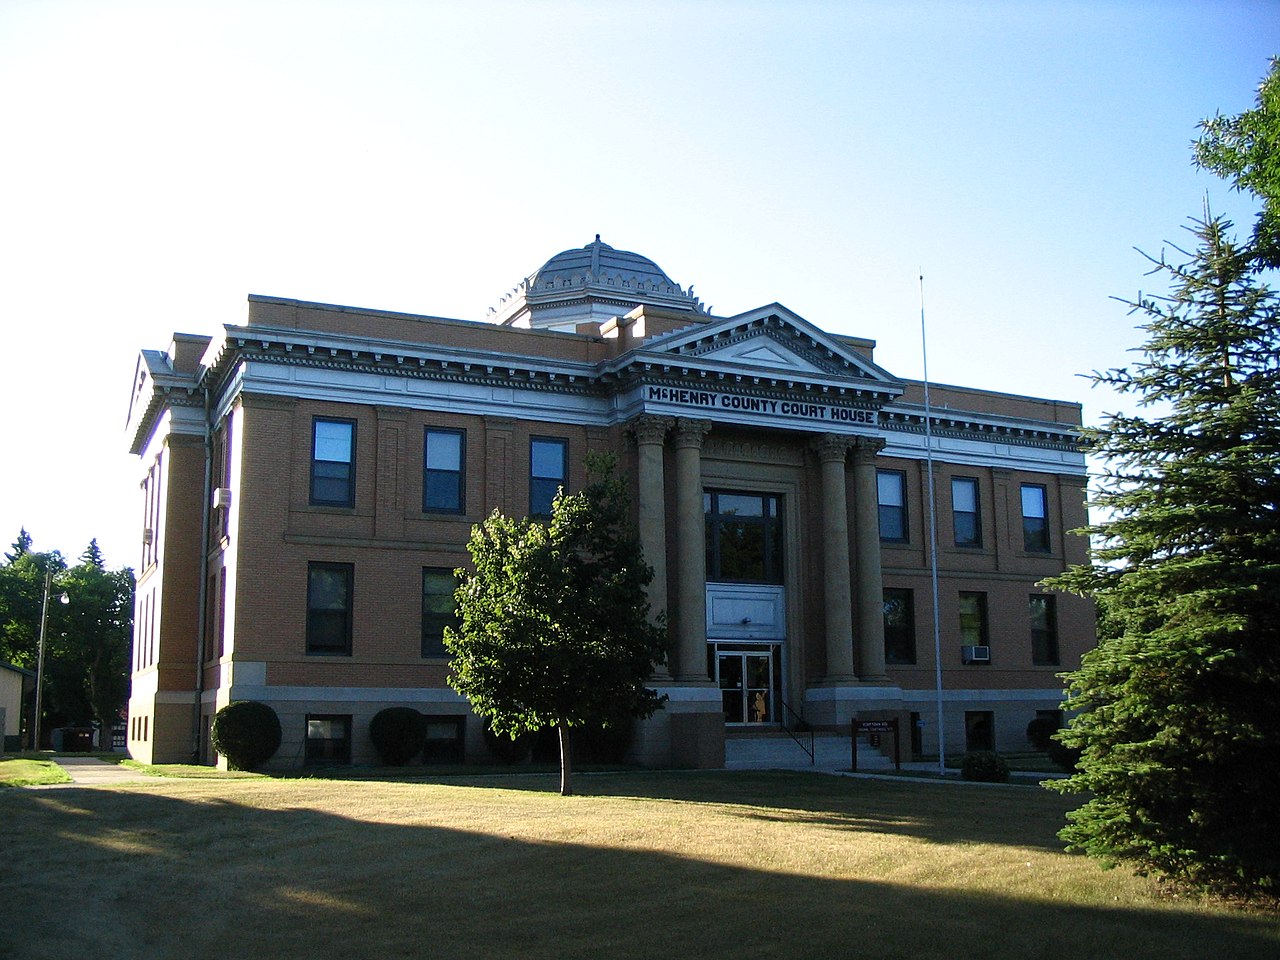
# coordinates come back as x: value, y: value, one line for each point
x: 398, y: 734
x: 247, y: 733
x: 505, y: 750
x: 1063, y: 756
x: 604, y: 744
x: 1040, y: 733
x: 983, y: 766
x: 595, y: 743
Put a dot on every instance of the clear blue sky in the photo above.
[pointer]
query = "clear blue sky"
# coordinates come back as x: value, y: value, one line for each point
x: 163, y: 160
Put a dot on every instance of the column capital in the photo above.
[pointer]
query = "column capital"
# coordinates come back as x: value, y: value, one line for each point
x: 649, y: 428
x: 831, y: 447
x: 865, y: 449
x: 689, y: 433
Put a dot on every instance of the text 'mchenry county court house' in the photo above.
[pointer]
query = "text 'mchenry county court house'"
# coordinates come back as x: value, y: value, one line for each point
x: 310, y: 477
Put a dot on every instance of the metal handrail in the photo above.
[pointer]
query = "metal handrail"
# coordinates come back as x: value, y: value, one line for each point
x: 811, y: 750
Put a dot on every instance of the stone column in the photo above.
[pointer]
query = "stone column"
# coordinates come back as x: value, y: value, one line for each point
x: 869, y: 586
x: 691, y: 552
x: 650, y: 433
x: 832, y: 451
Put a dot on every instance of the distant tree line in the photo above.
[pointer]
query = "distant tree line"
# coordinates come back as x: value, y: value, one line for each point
x: 87, y: 639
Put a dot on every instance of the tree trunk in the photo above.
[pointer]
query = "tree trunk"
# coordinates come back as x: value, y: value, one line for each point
x: 566, y: 761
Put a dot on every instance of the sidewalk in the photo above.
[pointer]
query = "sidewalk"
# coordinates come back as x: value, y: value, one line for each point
x: 92, y: 772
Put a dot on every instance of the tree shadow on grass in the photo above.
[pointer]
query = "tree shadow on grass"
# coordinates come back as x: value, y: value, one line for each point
x: 1028, y: 817
x: 136, y: 873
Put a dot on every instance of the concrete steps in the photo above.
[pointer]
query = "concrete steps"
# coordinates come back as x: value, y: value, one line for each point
x: 777, y: 751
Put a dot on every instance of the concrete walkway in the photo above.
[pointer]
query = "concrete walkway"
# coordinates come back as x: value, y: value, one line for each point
x: 92, y: 772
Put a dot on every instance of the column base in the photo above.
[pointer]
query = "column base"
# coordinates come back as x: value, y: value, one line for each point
x: 687, y: 731
x: 832, y: 705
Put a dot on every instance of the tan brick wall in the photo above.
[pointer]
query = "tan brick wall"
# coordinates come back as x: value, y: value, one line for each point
x: 274, y: 532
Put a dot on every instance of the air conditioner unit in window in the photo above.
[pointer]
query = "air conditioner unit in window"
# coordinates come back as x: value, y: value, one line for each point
x: 222, y: 497
x: 148, y: 535
x: 970, y: 654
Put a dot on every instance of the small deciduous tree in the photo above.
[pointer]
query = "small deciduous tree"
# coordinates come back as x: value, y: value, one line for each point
x: 1179, y: 729
x: 555, y: 628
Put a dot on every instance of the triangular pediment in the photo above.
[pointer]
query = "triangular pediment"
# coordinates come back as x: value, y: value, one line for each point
x: 769, y: 340
x: 764, y: 352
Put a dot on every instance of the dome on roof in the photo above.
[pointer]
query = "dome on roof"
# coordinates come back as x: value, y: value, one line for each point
x: 598, y: 259
x: 591, y: 283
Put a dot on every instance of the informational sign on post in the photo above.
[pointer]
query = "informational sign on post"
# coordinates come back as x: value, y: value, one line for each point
x: 873, y: 730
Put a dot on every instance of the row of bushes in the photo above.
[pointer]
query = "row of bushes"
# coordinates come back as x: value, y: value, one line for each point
x: 248, y: 734
x: 986, y: 766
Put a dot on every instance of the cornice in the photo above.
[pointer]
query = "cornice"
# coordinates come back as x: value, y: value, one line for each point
x: 446, y: 364
x: 958, y: 425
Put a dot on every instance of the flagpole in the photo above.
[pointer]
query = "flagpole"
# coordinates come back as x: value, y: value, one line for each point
x: 933, y: 538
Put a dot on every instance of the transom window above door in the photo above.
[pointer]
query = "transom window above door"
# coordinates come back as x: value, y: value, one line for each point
x: 744, y: 537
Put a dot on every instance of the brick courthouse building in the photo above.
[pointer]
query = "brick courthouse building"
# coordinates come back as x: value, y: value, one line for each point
x: 310, y: 478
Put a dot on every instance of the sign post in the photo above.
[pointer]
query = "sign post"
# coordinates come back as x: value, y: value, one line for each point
x: 874, y: 729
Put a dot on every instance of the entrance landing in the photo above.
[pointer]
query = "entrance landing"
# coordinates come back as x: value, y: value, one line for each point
x: 777, y: 751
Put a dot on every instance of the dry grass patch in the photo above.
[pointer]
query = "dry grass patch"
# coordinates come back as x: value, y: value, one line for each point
x: 710, y: 865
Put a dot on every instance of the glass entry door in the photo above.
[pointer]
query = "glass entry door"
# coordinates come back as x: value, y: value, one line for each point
x: 746, y: 686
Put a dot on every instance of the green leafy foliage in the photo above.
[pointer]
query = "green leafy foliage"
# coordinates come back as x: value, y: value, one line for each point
x: 87, y: 638
x: 247, y: 733
x: 1179, y: 729
x: 1245, y: 150
x: 984, y: 766
x: 555, y: 628
x: 398, y: 734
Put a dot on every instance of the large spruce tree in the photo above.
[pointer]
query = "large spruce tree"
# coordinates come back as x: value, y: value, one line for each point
x: 1180, y: 706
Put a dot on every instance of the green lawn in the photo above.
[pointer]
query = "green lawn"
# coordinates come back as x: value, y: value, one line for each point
x: 706, y: 865
x: 28, y: 771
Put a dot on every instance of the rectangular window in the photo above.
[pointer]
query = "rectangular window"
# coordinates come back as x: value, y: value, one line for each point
x: 899, y: 626
x: 744, y: 537
x: 328, y: 738
x: 973, y: 619
x: 333, y: 462
x: 548, y: 462
x: 329, y: 594
x: 215, y: 602
x: 1044, y: 629
x: 222, y: 478
x: 151, y: 516
x: 438, y: 609
x: 965, y: 519
x: 1035, y: 518
x: 891, y: 491
x: 443, y: 484
x: 446, y: 736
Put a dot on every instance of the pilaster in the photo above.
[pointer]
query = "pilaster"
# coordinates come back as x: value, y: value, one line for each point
x: 869, y: 584
x: 650, y: 433
x: 691, y: 550
x: 832, y: 451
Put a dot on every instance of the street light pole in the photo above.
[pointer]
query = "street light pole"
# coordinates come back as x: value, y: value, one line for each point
x: 44, y: 624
